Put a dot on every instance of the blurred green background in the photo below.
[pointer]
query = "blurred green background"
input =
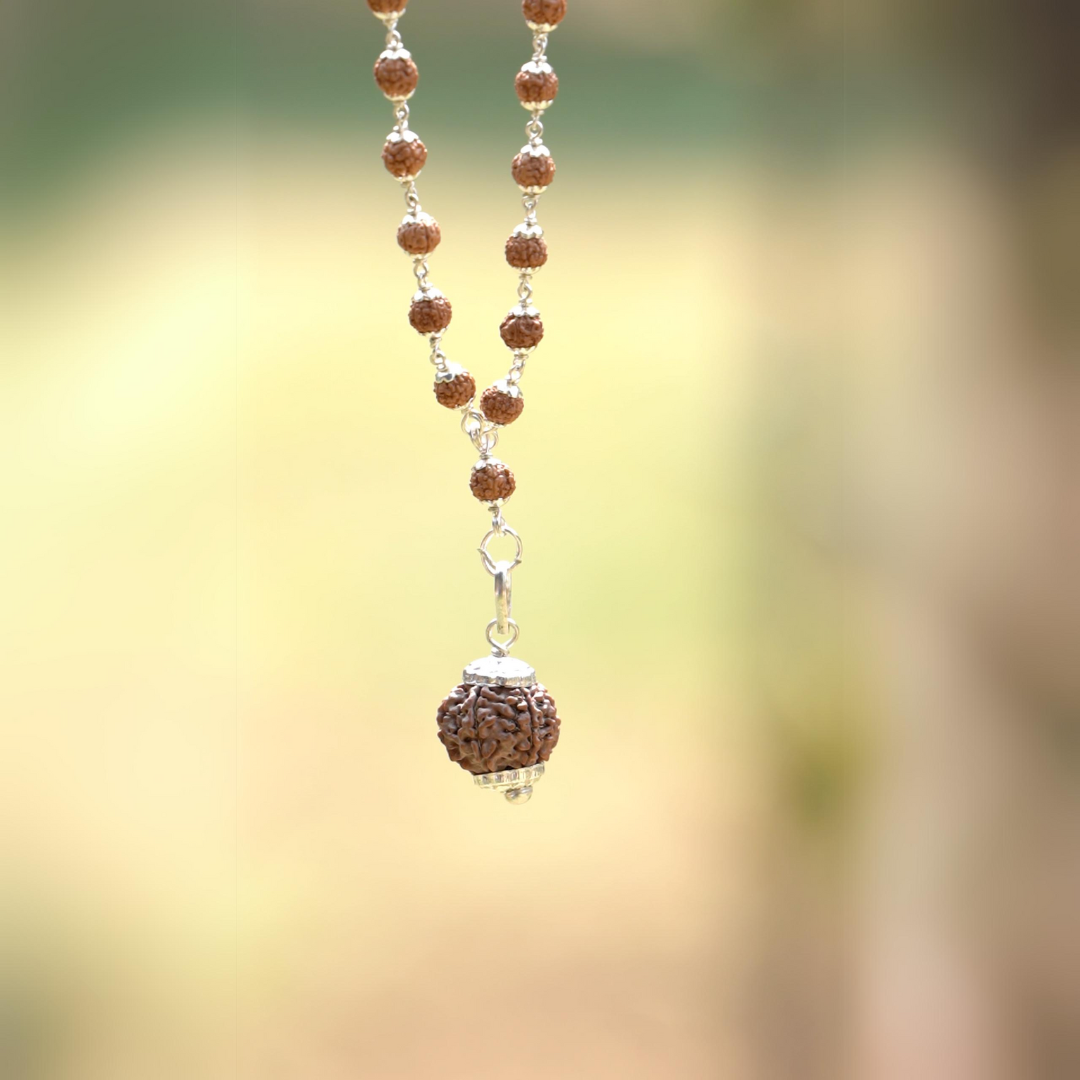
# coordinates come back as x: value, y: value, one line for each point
x: 797, y: 486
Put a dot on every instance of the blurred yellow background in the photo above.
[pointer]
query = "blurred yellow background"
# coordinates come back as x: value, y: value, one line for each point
x: 797, y: 487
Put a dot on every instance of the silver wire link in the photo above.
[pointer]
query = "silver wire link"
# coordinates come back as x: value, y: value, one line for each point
x: 500, y: 648
x: 501, y: 529
x: 420, y: 272
x: 517, y: 368
x: 540, y: 41
x: 438, y: 357
x: 480, y: 430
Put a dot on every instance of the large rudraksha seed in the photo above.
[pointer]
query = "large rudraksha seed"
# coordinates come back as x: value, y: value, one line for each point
x: 396, y: 74
x: 489, y: 729
x: 522, y: 329
x: 457, y: 389
x: 543, y: 14
x: 387, y: 7
x: 430, y: 313
x: 536, y: 84
x: 533, y: 169
x: 492, y: 481
x: 404, y: 155
x: 526, y: 249
x: 501, y: 405
x: 419, y: 234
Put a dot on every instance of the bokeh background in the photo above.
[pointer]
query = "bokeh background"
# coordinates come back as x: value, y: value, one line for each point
x: 797, y: 482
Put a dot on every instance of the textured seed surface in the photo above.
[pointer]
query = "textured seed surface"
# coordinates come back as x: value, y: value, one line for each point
x: 431, y: 315
x: 491, y: 482
x: 419, y: 237
x: 533, y: 170
x: 489, y: 729
x: 521, y: 331
x: 396, y: 76
x: 404, y: 158
x: 386, y: 7
x: 526, y: 252
x: 500, y: 407
x: 536, y: 86
x: 459, y: 391
x: 546, y: 12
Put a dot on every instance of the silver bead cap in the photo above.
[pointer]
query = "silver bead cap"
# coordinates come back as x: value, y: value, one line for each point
x: 535, y: 150
x: 395, y: 53
x: 407, y: 135
x: 449, y: 373
x: 499, y: 671
x: 531, y: 232
x: 511, y: 390
x: 419, y: 218
x: 431, y: 293
x: 538, y: 67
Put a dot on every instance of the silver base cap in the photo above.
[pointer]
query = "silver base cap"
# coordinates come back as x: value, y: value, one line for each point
x: 515, y: 784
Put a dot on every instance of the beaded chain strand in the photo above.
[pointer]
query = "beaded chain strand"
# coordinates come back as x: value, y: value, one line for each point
x: 533, y: 169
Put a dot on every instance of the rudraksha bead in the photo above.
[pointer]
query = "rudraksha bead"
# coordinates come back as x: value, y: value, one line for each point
x: 533, y: 169
x: 536, y: 84
x: 526, y: 248
x: 454, y: 388
x: 543, y: 15
x: 419, y: 234
x: 387, y: 7
x: 430, y: 312
x: 490, y: 729
x: 491, y: 481
x: 522, y: 329
x: 502, y: 404
x: 404, y: 154
x: 396, y: 74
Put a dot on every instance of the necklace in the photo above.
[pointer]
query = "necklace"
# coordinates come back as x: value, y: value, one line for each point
x: 499, y: 724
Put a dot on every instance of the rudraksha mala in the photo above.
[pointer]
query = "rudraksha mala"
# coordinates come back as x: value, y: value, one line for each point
x: 500, y: 724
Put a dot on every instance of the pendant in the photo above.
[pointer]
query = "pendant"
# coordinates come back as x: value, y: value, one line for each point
x: 501, y: 725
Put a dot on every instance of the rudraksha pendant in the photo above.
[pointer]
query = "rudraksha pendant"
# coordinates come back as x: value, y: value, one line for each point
x: 501, y: 725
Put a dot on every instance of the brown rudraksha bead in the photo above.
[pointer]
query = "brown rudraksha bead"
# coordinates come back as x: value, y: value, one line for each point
x: 500, y: 405
x: 491, y: 481
x: 488, y: 729
x: 396, y: 74
x: 419, y: 234
x: 430, y: 314
x: 536, y: 85
x: 404, y: 155
x: 455, y: 391
x: 533, y: 169
x: 526, y: 250
x: 387, y: 7
x: 522, y: 329
x: 544, y: 14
